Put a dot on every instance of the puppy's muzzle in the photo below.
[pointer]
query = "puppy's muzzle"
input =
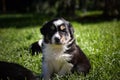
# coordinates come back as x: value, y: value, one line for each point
x: 57, y: 40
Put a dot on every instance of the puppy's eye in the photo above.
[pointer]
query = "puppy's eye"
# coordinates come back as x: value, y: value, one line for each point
x: 62, y: 27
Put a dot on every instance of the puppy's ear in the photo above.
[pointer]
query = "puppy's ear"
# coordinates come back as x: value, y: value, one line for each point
x: 43, y: 29
x: 71, y: 30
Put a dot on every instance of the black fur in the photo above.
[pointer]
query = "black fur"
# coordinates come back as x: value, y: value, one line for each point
x: 13, y: 71
x: 79, y: 60
x: 35, y: 48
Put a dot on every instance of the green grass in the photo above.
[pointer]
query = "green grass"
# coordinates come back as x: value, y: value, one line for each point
x: 100, y: 42
x: 89, y: 13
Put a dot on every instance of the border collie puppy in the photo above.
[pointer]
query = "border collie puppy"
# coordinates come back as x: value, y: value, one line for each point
x: 61, y: 55
x: 13, y: 71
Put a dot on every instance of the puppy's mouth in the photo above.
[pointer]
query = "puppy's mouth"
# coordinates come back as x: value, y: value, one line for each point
x: 60, y: 41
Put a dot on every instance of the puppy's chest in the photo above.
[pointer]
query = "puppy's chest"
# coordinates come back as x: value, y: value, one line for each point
x: 55, y: 53
x: 55, y: 57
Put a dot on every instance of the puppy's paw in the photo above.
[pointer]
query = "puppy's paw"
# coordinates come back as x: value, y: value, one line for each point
x: 67, y: 57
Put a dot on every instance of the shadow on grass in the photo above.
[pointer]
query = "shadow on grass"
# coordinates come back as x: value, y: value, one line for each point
x: 22, y: 20
x: 93, y: 18
x: 31, y: 20
x: 96, y: 18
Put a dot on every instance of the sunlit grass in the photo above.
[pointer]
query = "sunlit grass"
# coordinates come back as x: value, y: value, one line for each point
x: 88, y: 13
x: 100, y: 42
x: 15, y: 15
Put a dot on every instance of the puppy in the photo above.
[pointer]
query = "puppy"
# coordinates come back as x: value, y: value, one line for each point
x: 61, y: 55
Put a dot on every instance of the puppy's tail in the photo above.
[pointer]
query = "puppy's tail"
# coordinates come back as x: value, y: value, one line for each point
x: 13, y: 71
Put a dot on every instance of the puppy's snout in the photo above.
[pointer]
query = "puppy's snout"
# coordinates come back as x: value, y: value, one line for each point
x: 57, y: 40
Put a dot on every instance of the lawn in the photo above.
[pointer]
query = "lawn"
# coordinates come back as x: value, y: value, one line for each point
x: 100, y: 41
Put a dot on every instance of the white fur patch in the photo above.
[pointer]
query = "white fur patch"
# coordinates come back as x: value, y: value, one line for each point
x: 58, y: 22
x: 55, y: 60
x: 40, y: 42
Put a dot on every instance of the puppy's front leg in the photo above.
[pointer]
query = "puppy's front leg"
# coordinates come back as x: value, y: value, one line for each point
x: 46, y: 73
x: 66, y: 69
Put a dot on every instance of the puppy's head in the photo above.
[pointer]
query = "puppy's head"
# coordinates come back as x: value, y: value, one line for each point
x: 57, y: 31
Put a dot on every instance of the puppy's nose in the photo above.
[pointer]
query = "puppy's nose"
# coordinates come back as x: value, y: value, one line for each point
x: 57, y: 40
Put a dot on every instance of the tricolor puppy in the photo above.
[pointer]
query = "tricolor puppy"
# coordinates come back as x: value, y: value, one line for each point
x: 61, y: 55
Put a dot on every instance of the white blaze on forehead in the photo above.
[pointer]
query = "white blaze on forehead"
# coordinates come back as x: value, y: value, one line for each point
x: 57, y: 35
x: 58, y: 22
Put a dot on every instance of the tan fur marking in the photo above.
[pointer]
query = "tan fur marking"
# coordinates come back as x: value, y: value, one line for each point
x: 62, y: 27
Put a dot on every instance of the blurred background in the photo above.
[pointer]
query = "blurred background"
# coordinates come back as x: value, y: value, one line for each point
x: 41, y: 10
x: 60, y: 7
x: 97, y: 32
